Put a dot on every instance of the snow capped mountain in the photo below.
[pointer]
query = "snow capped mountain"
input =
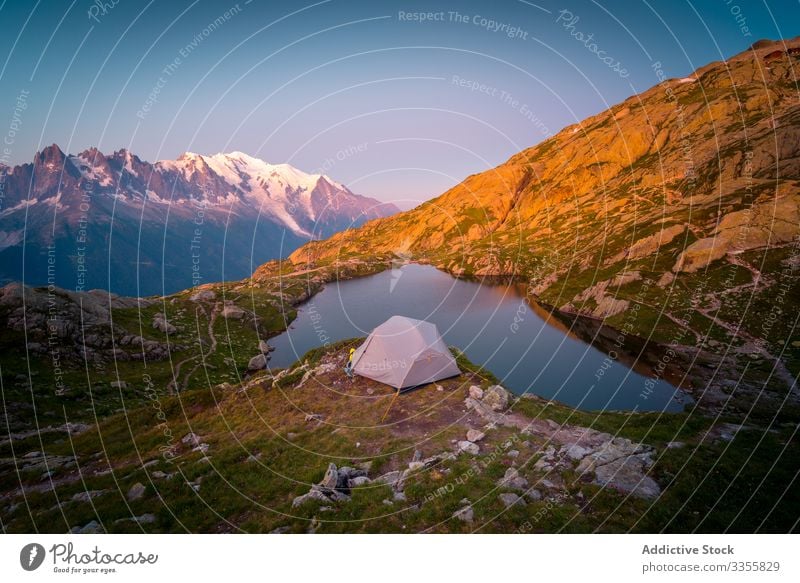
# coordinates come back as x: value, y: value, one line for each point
x: 247, y: 210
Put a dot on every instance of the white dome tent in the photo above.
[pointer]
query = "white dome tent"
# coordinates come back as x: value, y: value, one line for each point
x: 403, y: 353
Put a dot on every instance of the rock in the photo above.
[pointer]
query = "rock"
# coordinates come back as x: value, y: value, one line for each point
x: 92, y: 528
x: 476, y: 392
x: 534, y: 495
x: 465, y: 514
x: 390, y: 478
x: 358, y: 481
x: 496, y: 398
x: 263, y: 347
x: 439, y: 388
x: 160, y: 323
x: 576, y: 452
x: 513, y: 453
x: 675, y: 445
x: 399, y: 497
x: 145, y: 518
x: 88, y: 495
x: 313, y: 494
x: 622, y: 464
x: 474, y: 435
x: 509, y: 499
x: 413, y: 466
x: 136, y: 491
x: 513, y: 480
x: 191, y: 439
x: 203, y: 296
x: 417, y: 456
x: 313, y: 417
x: 258, y: 362
x: 159, y: 475
x: 331, y: 478
x: 119, y: 385
x: 469, y: 447
x: 233, y: 312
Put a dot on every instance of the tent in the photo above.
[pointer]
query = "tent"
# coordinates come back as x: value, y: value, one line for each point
x: 404, y: 352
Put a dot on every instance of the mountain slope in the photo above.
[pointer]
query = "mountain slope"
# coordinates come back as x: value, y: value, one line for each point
x: 673, y: 215
x: 163, y: 226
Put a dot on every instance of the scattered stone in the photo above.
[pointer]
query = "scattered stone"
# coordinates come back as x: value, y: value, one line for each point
x: 258, y: 362
x: 465, y: 514
x: 390, y: 478
x: 513, y: 453
x: 399, y: 497
x: 675, y: 445
x: 576, y: 452
x: 417, y: 456
x: 621, y: 464
x: 233, y: 312
x: 476, y: 392
x: 469, y: 447
x: 534, y: 495
x: 509, y: 499
x: 136, y: 491
x: 88, y: 495
x: 203, y: 296
x: 497, y: 398
x: 439, y: 388
x: 475, y: 435
x: 388, y: 502
x: 92, y: 528
x: 313, y: 417
x: 513, y: 480
x: 119, y: 385
x: 263, y: 347
x: 160, y: 323
x: 331, y: 478
x: 358, y: 481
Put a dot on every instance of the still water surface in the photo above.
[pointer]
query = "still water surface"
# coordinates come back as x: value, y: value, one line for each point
x: 492, y: 323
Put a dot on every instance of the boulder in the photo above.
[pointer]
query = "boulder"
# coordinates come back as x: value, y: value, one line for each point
x: 258, y: 362
x: 205, y: 295
x: 465, y: 514
x: 263, y: 347
x: 475, y: 435
x: 331, y: 478
x: 136, y: 491
x: 469, y: 447
x: 509, y: 499
x: 160, y: 323
x: 476, y: 392
x: 513, y: 480
x: 92, y: 528
x: 497, y: 398
x: 119, y: 385
x: 233, y: 312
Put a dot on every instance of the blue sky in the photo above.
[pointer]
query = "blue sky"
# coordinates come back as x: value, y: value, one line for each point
x: 397, y: 105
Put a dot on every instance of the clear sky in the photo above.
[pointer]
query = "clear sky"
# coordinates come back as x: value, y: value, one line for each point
x: 399, y: 100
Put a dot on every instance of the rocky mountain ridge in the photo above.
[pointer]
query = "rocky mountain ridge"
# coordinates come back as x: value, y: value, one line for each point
x: 117, y: 222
